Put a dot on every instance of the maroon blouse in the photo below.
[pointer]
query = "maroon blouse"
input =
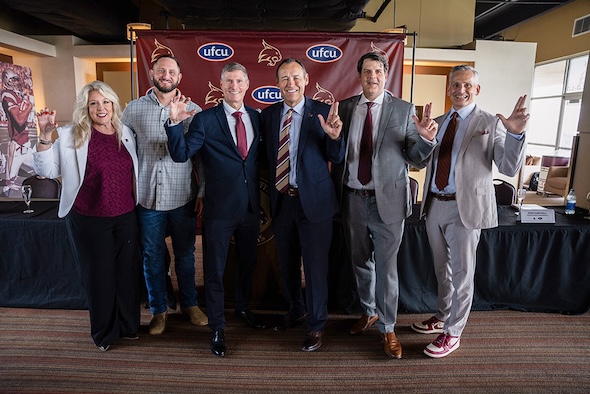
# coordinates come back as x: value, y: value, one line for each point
x: 107, y: 189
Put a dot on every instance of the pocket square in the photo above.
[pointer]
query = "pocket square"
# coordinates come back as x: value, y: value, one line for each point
x: 484, y: 132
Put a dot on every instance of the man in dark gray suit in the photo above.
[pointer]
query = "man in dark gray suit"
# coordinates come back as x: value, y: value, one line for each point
x: 374, y: 191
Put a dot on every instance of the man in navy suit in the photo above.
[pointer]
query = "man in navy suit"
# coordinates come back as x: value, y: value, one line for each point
x: 227, y: 137
x: 303, y: 198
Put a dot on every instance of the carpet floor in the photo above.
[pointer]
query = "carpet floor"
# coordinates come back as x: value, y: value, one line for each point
x: 50, y: 351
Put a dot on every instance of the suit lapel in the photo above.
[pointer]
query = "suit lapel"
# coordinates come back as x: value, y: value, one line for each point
x: 82, y: 158
x: 306, y: 123
x: 347, y: 112
x: 222, y: 119
x: 386, y: 114
x: 276, y: 129
x: 470, y: 131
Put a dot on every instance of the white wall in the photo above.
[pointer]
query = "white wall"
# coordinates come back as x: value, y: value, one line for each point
x: 581, y: 181
x: 506, y: 72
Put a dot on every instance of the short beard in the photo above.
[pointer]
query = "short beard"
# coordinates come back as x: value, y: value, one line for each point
x: 162, y: 89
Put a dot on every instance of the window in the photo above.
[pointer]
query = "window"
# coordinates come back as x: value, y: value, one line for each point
x: 555, y: 106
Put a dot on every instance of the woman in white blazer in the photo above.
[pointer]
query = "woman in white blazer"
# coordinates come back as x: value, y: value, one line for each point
x: 96, y: 158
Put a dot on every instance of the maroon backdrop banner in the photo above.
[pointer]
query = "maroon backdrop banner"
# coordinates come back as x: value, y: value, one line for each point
x: 330, y: 60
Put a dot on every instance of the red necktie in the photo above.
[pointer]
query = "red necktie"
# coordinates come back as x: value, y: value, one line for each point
x: 241, y: 135
x: 283, y: 164
x: 443, y: 168
x: 366, y: 148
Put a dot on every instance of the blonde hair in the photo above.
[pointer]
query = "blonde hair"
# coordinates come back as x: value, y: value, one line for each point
x: 81, y: 117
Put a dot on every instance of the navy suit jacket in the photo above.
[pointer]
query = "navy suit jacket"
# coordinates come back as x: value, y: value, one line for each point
x: 231, y: 187
x: 316, y: 187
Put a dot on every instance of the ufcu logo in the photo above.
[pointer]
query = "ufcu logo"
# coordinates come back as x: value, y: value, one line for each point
x: 267, y: 94
x: 323, y: 53
x: 215, y: 51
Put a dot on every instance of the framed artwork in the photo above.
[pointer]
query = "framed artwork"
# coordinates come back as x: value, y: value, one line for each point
x: 18, y: 128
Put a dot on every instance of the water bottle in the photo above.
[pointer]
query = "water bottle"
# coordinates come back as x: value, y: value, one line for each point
x: 570, y: 203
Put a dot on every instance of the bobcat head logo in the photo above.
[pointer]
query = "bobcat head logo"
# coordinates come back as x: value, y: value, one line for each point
x: 323, y: 95
x: 214, y: 96
x: 269, y: 54
x: 160, y: 51
x: 374, y: 48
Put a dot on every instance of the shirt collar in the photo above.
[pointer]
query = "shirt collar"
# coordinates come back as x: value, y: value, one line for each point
x: 297, y: 108
x: 464, y: 112
x: 229, y: 110
x: 378, y: 100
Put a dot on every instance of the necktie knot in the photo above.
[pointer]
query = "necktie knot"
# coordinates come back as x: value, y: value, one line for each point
x: 237, y: 115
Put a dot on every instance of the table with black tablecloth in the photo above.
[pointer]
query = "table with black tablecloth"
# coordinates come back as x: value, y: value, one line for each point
x: 37, y: 266
x: 529, y: 267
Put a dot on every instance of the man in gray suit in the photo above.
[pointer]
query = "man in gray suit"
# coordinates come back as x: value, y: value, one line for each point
x: 459, y: 199
x: 382, y: 136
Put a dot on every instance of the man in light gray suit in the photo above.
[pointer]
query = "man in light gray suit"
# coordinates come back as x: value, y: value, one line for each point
x: 459, y: 199
x: 382, y: 136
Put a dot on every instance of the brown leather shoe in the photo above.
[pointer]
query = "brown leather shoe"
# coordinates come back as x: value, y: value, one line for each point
x: 391, y: 345
x: 313, y: 341
x: 363, y: 324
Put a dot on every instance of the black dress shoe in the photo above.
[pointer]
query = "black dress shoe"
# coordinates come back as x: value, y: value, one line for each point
x: 289, y: 321
x: 218, y: 343
x: 313, y: 341
x: 250, y: 319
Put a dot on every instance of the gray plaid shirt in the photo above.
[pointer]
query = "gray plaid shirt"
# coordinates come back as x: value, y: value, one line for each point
x: 163, y: 184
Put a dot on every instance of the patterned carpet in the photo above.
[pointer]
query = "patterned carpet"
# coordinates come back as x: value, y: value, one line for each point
x: 50, y: 351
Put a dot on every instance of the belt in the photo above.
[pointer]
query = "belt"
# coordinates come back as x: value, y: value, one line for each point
x: 292, y: 192
x: 360, y: 192
x: 444, y: 197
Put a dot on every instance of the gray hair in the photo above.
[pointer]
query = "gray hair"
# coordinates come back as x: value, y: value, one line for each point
x: 464, y: 67
x: 234, y: 66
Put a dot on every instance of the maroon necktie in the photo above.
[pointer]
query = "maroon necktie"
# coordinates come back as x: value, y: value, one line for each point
x: 241, y: 135
x: 443, y: 168
x: 366, y: 148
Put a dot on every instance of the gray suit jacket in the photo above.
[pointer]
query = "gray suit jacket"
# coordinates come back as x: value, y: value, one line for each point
x: 485, y: 142
x: 398, y: 144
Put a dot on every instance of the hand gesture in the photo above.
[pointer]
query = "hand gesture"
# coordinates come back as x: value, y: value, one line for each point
x: 516, y: 123
x: 332, y: 125
x: 427, y: 127
x: 178, y: 111
x: 46, y: 121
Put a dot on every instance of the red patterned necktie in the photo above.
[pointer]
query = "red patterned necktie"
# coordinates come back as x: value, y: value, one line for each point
x: 366, y: 148
x: 443, y: 168
x: 283, y: 163
x: 241, y: 135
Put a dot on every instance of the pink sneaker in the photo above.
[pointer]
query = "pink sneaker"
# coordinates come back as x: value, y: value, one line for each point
x: 442, y: 346
x: 430, y: 326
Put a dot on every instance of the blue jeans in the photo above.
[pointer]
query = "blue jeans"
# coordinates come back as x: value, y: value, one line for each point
x: 154, y: 226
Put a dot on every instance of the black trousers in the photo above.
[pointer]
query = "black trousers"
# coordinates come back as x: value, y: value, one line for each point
x: 106, y: 250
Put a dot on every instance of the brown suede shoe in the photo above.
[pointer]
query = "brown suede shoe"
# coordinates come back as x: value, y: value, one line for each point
x: 391, y: 345
x: 196, y: 316
x: 363, y: 324
x: 158, y: 323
